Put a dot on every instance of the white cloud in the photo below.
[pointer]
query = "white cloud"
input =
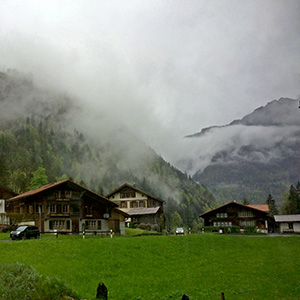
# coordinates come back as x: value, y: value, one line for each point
x: 163, y: 69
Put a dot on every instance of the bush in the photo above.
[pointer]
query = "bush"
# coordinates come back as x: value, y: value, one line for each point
x: 250, y: 230
x: 19, y: 281
x: 232, y: 229
x: 144, y: 226
x: 155, y: 227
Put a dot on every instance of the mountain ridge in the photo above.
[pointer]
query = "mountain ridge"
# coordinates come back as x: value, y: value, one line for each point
x: 254, y: 156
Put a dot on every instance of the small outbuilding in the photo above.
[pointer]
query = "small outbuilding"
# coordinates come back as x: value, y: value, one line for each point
x: 288, y: 223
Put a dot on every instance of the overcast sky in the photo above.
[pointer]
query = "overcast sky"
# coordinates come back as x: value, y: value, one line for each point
x: 165, y: 69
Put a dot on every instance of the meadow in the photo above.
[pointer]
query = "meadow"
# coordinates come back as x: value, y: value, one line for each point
x: 166, y: 267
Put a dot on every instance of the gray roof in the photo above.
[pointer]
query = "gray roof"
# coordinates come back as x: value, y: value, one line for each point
x: 287, y: 218
x: 143, y: 211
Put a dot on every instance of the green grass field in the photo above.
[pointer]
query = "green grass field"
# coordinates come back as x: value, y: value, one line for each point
x: 166, y: 267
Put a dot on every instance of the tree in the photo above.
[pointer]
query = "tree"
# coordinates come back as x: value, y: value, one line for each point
x: 39, y: 178
x: 272, y: 206
x: 292, y: 202
x: 245, y: 201
x: 176, y: 219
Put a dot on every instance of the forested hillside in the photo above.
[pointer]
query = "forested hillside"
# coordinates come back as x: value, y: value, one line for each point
x: 45, y: 129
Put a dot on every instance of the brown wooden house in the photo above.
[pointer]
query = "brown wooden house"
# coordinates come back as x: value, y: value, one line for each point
x: 139, y: 205
x: 236, y: 214
x: 68, y: 207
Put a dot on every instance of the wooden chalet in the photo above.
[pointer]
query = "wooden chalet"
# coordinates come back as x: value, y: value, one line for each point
x: 236, y: 214
x: 68, y: 207
x: 139, y: 205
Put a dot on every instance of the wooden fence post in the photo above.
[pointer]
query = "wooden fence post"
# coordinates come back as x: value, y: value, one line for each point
x: 223, y: 296
x: 185, y: 297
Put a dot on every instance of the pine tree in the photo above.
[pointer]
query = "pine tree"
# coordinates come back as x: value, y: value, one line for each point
x: 272, y: 206
x: 292, y: 204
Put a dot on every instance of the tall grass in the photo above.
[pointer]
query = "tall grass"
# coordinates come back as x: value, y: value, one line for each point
x: 166, y: 267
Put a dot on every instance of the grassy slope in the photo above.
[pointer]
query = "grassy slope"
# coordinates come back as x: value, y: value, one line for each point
x: 165, y: 267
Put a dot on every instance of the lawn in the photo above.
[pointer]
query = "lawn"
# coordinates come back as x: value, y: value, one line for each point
x: 166, y: 267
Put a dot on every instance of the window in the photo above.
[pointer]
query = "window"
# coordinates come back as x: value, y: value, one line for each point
x: 30, y: 209
x: 222, y: 224
x: 123, y: 204
x: 133, y: 204
x: 65, y: 208
x: 58, y: 208
x: 127, y: 194
x: 68, y: 194
x: 60, y: 224
x: 245, y: 214
x: 151, y: 203
x: 57, y: 194
x: 221, y: 215
x: 88, y: 210
x: 63, y: 194
x: 52, y: 208
x: 247, y: 223
x: 91, y: 224
x: 291, y: 226
x: 141, y: 204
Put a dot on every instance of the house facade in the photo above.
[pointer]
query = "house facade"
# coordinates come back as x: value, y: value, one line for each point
x: 68, y: 207
x: 5, y: 193
x: 141, y: 207
x: 288, y: 223
x: 236, y: 214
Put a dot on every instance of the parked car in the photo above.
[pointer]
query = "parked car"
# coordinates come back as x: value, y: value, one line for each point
x: 25, y: 232
x: 179, y: 231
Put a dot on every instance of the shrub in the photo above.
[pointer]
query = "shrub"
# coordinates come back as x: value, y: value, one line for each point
x: 250, y: 229
x: 155, y: 227
x: 19, y: 281
x: 145, y: 226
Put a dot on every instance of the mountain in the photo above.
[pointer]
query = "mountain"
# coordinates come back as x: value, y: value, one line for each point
x: 251, y: 157
x: 43, y: 128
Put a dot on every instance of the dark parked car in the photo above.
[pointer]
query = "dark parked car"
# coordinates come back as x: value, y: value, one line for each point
x: 25, y: 232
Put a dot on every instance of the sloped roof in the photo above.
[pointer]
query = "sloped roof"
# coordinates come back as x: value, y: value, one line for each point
x: 143, y: 211
x: 237, y: 204
x: 262, y: 207
x: 56, y: 184
x: 134, y: 188
x: 287, y: 218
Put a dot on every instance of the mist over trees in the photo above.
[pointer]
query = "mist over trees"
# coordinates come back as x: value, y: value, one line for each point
x: 43, y: 139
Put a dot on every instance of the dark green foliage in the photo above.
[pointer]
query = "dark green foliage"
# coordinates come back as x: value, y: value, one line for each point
x: 237, y: 180
x: 272, y: 206
x: 39, y: 178
x: 292, y: 203
x: 18, y: 281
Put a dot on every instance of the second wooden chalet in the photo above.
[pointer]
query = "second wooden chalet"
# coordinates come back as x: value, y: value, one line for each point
x: 139, y: 205
x: 68, y: 207
x: 236, y: 214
